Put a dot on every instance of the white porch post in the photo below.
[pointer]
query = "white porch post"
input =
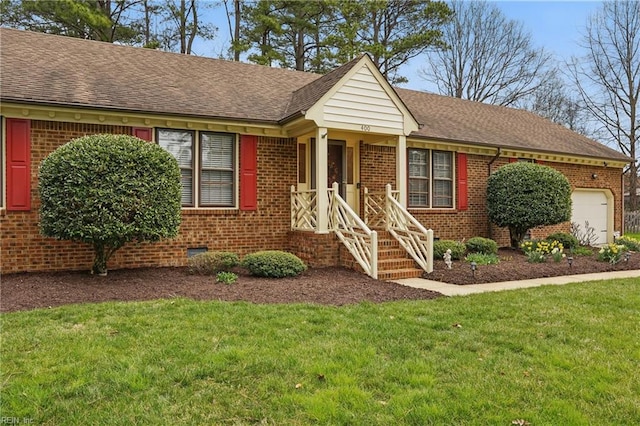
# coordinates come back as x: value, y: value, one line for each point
x: 401, y: 169
x: 322, y: 199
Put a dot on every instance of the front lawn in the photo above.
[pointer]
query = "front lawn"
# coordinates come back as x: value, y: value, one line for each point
x: 557, y: 355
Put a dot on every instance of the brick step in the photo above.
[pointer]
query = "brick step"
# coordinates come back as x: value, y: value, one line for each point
x: 393, y: 253
x: 398, y: 263
x: 393, y: 261
x: 398, y: 274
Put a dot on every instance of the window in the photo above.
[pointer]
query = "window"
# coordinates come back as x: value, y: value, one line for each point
x: 208, y: 178
x: 430, y: 178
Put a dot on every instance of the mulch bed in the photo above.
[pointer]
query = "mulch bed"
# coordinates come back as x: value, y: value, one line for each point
x: 514, y: 266
x: 327, y: 286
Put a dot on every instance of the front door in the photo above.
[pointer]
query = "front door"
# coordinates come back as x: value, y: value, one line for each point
x: 342, y: 167
x: 336, y: 165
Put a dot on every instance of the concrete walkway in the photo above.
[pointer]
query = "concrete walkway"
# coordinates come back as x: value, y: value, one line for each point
x: 461, y: 290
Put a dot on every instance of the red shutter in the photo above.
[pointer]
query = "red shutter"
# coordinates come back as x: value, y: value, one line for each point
x: 143, y: 133
x: 248, y: 172
x: 463, y: 198
x: 18, y: 164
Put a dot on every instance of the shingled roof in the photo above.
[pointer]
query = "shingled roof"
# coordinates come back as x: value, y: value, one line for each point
x: 55, y: 70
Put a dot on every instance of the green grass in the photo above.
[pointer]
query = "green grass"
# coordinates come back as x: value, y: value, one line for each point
x: 556, y: 355
x: 634, y: 235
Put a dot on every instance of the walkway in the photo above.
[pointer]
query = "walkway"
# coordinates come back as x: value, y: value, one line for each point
x: 461, y: 290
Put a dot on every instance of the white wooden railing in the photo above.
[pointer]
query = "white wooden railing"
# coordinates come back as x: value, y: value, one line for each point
x: 304, y: 210
x: 385, y: 209
x: 361, y: 241
x: 356, y: 236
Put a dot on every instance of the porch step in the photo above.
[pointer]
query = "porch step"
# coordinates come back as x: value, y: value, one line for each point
x: 393, y: 261
x: 398, y: 274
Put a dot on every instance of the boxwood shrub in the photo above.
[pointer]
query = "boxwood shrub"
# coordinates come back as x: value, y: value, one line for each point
x: 482, y: 245
x: 212, y: 262
x: 458, y: 249
x: 273, y: 264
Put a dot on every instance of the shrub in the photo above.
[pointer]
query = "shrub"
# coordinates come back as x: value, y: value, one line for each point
x: 482, y: 245
x: 274, y: 264
x: 226, y: 277
x: 107, y: 190
x: 611, y: 253
x: 212, y: 262
x: 483, y: 258
x: 629, y: 243
x: 568, y: 241
x: 458, y: 249
x: 523, y: 195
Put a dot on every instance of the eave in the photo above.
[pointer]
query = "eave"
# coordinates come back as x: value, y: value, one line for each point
x: 81, y: 114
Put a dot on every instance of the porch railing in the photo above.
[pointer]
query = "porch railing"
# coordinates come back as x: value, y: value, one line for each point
x: 384, y: 209
x: 358, y: 238
x: 304, y: 210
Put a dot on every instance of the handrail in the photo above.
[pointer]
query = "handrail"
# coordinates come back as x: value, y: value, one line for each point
x: 415, y: 238
x: 358, y: 238
x: 384, y: 209
x: 304, y: 210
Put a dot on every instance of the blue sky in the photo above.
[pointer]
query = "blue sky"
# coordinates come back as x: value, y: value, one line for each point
x: 554, y: 25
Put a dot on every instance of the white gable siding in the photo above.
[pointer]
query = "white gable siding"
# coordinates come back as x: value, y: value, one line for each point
x: 362, y: 101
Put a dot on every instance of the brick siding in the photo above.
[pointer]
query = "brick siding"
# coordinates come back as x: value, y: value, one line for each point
x: 22, y: 248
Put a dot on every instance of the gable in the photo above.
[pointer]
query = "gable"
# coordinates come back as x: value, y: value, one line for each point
x: 363, y: 101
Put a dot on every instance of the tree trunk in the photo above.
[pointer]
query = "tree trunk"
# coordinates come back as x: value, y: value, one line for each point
x: 236, y: 31
x: 516, y: 236
x: 100, y: 259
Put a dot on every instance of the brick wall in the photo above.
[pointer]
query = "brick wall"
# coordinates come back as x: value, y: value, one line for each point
x: 458, y: 225
x: 24, y: 249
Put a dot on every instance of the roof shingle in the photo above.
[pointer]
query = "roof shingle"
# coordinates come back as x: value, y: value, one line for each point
x: 49, y: 69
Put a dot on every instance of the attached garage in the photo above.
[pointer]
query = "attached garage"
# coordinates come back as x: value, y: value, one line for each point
x: 594, y: 208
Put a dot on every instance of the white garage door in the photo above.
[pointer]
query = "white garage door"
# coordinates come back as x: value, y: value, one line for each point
x: 591, y: 207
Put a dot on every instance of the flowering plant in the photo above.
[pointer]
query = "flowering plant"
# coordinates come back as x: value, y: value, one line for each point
x: 557, y: 254
x: 611, y: 253
x: 537, y: 251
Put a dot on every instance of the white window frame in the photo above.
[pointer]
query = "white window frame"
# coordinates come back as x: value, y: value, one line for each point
x: 196, y: 169
x: 431, y: 180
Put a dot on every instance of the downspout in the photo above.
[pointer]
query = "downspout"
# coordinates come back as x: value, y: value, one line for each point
x: 489, y: 224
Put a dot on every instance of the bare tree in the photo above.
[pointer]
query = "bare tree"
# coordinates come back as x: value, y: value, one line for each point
x: 490, y: 58
x: 608, y: 78
x: 234, y: 29
x: 552, y: 100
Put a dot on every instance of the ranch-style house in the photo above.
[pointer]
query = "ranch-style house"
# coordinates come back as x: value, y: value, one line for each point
x: 340, y: 169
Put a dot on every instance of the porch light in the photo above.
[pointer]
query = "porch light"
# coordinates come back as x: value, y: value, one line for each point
x: 570, y: 260
x: 474, y: 266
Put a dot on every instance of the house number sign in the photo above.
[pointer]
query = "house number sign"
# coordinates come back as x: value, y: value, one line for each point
x: 365, y: 128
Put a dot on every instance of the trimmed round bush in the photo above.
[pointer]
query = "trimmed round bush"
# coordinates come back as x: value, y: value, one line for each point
x: 568, y: 241
x: 212, y: 262
x: 482, y: 245
x: 273, y: 264
x: 521, y: 196
x: 108, y: 190
x: 458, y: 249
